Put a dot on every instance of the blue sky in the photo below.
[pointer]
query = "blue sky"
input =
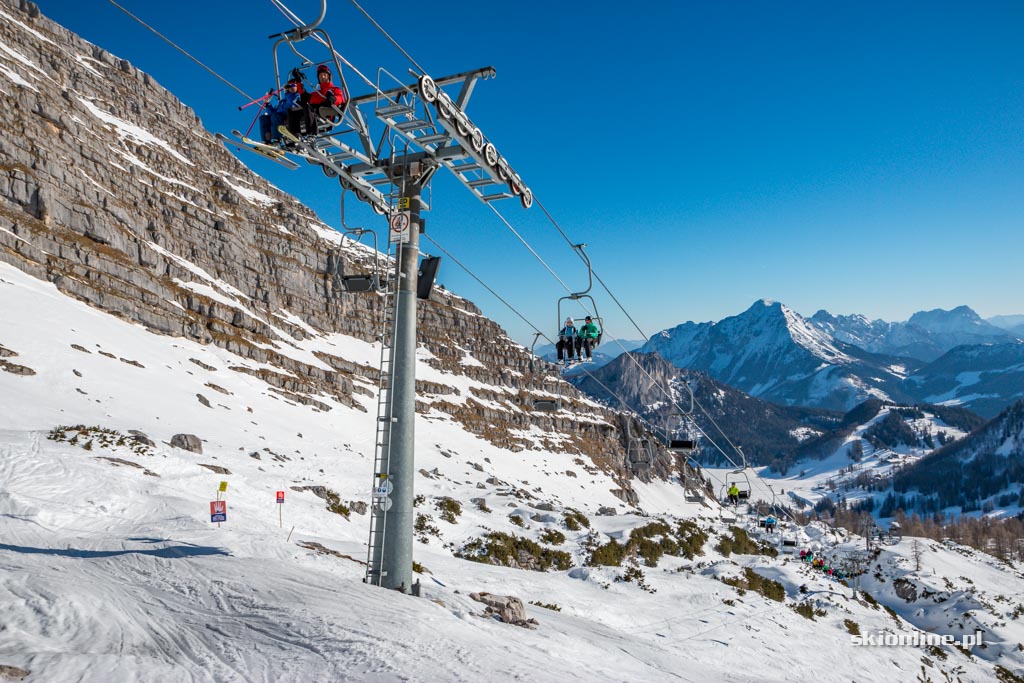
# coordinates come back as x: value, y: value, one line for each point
x: 859, y: 157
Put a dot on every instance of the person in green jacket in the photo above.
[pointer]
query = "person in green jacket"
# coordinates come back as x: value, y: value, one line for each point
x: 587, y: 338
x: 734, y: 494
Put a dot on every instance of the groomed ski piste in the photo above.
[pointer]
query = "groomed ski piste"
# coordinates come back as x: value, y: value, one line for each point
x: 110, y: 569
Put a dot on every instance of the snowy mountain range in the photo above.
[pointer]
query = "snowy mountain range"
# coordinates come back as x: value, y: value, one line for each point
x: 175, y: 335
x: 925, y: 336
x: 772, y: 352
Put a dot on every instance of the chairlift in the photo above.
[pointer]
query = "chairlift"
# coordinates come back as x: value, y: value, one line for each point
x: 687, y: 443
x: 762, y: 516
x: 639, y: 451
x: 584, y: 295
x: 691, y: 494
x: 328, y: 117
x: 547, y: 405
x: 370, y: 282
x: 738, y: 477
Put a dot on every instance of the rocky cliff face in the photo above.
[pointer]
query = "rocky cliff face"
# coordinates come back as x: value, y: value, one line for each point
x: 113, y: 190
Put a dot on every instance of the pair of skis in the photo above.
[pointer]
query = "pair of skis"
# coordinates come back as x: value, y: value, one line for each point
x: 275, y: 154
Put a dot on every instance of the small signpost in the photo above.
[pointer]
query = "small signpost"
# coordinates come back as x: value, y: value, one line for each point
x: 280, y: 506
x: 218, y: 511
x: 219, y: 508
x: 400, y: 223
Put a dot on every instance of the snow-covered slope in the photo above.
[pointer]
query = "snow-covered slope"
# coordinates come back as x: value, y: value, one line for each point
x: 856, y: 461
x: 113, y: 572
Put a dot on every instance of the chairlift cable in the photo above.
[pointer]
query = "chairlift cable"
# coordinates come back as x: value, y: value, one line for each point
x: 524, y: 319
x: 483, y: 284
x: 182, y: 51
x: 388, y: 36
x: 528, y: 246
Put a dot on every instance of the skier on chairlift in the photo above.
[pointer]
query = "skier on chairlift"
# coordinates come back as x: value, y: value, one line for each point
x: 734, y: 494
x: 274, y: 115
x: 567, y: 342
x: 587, y: 339
x: 302, y: 118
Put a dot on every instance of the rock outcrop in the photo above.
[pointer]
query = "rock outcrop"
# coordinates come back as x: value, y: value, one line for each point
x: 114, y: 192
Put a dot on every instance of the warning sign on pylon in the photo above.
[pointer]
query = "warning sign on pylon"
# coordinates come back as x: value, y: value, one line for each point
x: 400, y: 223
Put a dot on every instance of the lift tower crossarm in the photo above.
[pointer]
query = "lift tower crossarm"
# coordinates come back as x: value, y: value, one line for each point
x: 485, y: 72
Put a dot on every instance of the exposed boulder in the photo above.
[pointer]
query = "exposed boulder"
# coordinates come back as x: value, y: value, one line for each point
x: 188, y: 442
x: 506, y: 608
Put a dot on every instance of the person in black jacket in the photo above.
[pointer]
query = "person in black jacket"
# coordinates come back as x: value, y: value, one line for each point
x: 567, y: 342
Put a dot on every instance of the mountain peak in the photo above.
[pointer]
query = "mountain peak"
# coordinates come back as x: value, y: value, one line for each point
x: 960, y: 320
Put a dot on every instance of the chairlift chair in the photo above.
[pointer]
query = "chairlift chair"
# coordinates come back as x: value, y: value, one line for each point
x: 741, y: 480
x: 639, y: 451
x: 691, y: 492
x: 584, y: 295
x: 548, y: 405
x: 789, y: 543
x: 363, y: 282
x: 680, y: 439
x: 328, y: 117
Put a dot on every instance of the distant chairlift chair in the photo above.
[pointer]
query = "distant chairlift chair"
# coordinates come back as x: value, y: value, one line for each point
x: 639, y: 451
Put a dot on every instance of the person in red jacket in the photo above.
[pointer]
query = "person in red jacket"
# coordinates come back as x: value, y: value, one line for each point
x: 302, y: 117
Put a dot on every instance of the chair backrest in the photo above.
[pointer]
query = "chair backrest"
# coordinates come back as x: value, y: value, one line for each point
x: 358, y: 283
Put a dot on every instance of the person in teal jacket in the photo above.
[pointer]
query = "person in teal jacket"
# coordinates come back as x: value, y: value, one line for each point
x: 587, y: 340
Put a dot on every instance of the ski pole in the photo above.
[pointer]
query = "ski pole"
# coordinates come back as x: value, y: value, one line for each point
x: 271, y: 92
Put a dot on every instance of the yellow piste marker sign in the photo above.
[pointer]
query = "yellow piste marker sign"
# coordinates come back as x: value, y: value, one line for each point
x: 223, y: 486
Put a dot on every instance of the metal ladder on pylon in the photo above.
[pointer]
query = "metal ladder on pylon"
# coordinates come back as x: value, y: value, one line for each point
x: 382, y: 485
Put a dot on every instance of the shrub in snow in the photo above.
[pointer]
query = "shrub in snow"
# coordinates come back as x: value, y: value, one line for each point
x: 450, y: 509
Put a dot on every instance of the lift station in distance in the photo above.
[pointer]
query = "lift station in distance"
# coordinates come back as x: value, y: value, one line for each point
x: 424, y: 129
